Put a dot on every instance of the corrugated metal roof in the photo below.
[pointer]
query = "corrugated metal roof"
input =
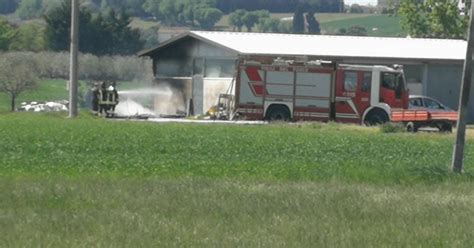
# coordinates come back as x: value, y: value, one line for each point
x: 328, y: 46
x: 337, y: 46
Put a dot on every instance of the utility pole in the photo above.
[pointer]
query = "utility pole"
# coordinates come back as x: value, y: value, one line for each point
x: 458, y: 151
x: 73, y: 59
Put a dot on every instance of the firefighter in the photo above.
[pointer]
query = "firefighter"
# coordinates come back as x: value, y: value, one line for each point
x: 112, y: 98
x: 95, y: 98
x: 103, y: 107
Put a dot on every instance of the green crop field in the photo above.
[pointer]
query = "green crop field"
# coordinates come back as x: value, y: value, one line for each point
x: 376, y: 25
x: 96, y: 182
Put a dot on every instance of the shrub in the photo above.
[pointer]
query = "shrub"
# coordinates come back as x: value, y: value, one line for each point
x: 391, y: 127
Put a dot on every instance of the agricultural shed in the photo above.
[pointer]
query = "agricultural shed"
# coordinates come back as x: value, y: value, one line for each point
x: 201, y: 63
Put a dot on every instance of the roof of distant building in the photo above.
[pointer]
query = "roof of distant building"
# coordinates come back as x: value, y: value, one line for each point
x: 327, y: 46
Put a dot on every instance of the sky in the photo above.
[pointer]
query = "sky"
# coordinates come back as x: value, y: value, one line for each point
x: 362, y: 2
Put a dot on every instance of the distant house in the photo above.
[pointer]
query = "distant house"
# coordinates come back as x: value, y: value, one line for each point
x: 202, y: 64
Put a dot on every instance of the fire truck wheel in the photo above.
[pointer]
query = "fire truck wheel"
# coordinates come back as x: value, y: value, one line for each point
x: 446, y: 127
x: 412, y: 127
x: 278, y: 113
x: 376, y: 117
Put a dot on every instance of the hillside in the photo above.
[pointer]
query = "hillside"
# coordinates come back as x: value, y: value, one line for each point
x: 376, y: 25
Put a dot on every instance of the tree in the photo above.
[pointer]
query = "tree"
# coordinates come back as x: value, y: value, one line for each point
x: 168, y: 12
x: 105, y: 33
x: 119, y: 38
x: 150, y: 37
x: 278, y: 6
x: 135, y: 7
x: 236, y: 19
x: 153, y: 8
x: 181, y: 12
x: 356, y: 31
x: 432, y: 18
x: 261, y: 14
x: 17, y: 74
x: 8, y: 6
x: 207, y: 17
x: 90, y: 6
x: 356, y: 9
x: 29, y: 37
x: 250, y: 19
x: 48, y: 5
x: 269, y: 25
x: 29, y: 9
x: 298, y: 20
x: 313, y: 24
x: 58, y: 26
x: 6, y: 34
x: 341, y: 31
x: 285, y: 27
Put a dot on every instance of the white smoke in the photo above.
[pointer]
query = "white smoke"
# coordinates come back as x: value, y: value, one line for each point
x: 159, y: 100
x: 132, y: 108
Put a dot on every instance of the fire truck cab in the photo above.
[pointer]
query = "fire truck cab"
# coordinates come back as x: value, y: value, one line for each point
x: 314, y: 90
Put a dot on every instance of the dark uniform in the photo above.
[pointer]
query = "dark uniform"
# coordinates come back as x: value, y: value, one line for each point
x: 95, y: 99
x: 107, y: 99
x: 112, y: 98
x: 103, y: 107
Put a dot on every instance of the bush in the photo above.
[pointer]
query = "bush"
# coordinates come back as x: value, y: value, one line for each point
x: 391, y: 127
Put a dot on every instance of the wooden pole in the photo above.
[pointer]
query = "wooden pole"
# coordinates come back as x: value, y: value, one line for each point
x: 73, y: 59
x: 458, y: 151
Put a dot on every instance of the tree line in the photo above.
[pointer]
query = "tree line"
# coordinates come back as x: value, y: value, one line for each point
x: 168, y: 10
x: 103, y: 33
x: 280, y: 6
x: 105, y: 25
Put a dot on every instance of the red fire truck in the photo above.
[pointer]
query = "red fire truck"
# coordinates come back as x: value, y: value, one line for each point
x: 314, y: 90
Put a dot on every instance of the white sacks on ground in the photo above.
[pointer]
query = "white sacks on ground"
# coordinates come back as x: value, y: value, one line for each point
x: 44, y: 107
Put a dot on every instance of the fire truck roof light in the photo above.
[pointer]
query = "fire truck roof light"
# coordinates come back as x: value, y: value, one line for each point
x: 280, y: 61
x: 319, y: 62
x: 397, y: 66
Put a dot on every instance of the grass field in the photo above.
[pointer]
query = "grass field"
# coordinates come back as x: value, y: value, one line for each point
x: 48, y: 143
x: 92, y: 182
x: 189, y: 212
x: 376, y: 25
x: 54, y: 90
x: 321, y: 17
x: 48, y: 90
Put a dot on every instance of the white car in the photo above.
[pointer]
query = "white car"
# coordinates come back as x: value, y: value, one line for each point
x: 417, y: 102
x: 426, y: 103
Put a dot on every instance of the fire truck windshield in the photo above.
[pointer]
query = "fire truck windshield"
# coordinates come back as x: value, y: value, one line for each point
x: 393, y: 81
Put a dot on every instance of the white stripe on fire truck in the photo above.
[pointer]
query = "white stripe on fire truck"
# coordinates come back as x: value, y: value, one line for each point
x: 250, y: 111
x: 350, y: 102
x: 349, y: 116
x: 340, y: 98
x: 311, y: 114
